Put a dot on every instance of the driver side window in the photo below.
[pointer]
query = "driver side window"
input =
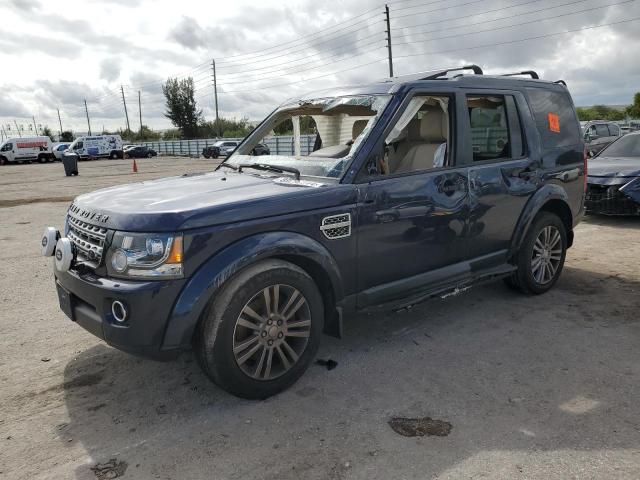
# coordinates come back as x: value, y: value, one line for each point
x: 7, y: 147
x: 419, y: 140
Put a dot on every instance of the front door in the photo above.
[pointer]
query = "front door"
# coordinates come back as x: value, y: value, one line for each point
x: 413, y: 208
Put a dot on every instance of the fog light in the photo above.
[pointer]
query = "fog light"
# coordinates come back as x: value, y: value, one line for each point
x: 49, y: 239
x: 63, y: 254
x: 119, y: 311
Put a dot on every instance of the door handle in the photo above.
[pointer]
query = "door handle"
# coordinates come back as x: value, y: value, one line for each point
x: 526, y: 173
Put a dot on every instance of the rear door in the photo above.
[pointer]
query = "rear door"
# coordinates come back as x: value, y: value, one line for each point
x: 503, y: 172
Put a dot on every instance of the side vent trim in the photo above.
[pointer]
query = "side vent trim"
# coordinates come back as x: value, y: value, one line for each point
x: 336, y: 226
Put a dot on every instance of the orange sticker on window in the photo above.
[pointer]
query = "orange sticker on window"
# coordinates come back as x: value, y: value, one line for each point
x: 554, y: 123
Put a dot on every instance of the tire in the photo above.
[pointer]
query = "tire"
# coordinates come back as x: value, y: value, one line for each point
x: 42, y: 159
x: 256, y: 337
x: 215, y: 155
x: 149, y: 155
x: 3, y: 161
x: 113, y: 155
x: 206, y: 155
x: 539, y: 261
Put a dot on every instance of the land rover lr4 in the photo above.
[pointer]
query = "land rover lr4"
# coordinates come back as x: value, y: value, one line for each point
x: 387, y: 195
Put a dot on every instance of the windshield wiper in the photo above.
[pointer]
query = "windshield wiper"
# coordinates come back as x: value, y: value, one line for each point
x: 228, y: 165
x: 271, y: 168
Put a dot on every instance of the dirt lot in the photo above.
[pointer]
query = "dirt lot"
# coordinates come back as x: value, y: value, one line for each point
x: 532, y: 387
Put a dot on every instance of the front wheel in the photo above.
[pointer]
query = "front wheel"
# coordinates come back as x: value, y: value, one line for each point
x: 541, y: 256
x: 262, y: 330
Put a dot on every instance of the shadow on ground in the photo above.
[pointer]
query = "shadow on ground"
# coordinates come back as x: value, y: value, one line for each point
x: 515, y: 374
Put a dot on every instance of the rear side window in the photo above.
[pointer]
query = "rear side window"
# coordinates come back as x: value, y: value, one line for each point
x: 614, y: 129
x: 601, y: 130
x: 555, y: 117
x: 495, y: 127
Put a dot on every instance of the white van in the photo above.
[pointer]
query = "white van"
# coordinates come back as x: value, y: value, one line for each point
x: 26, y: 149
x: 98, y: 146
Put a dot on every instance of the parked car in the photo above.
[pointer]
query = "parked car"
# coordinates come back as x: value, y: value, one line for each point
x: 211, y: 151
x: 599, y: 134
x: 614, y: 178
x: 59, y: 149
x: 416, y: 187
x: 261, y: 149
x: 99, y: 146
x: 140, y: 151
x: 26, y: 149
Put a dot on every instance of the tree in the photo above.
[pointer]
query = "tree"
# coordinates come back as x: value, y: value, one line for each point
x: 66, y: 136
x: 600, y: 112
x: 181, y: 106
x: 230, y: 128
x: 307, y: 126
x: 633, y: 110
x: 46, y: 132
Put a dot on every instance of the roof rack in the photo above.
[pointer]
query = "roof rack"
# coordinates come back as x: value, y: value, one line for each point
x: 533, y: 74
x: 438, y: 75
x: 561, y: 82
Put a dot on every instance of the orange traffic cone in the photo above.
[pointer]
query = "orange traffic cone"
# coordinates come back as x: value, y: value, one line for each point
x: 135, y: 166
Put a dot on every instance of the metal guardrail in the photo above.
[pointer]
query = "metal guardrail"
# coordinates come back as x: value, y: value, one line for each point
x: 279, y: 145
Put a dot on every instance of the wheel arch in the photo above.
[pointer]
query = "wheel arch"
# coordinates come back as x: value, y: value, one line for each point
x: 196, y: 297
x: 551, y: 198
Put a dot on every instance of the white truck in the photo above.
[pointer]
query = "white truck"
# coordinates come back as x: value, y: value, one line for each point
x: 26, y: 149
x: 96, y: 146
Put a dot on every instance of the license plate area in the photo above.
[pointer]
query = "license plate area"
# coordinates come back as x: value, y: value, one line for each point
x: 66, y: 301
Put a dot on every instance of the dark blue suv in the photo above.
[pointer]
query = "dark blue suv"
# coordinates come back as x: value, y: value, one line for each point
x: 394, y: 192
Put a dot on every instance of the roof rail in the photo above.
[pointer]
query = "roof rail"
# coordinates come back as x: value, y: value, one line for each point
x: 437, y: 75
x: 561, y: 82
x: 533, y: 74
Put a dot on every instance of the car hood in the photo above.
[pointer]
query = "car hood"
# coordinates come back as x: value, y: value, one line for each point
x: 200, y: 200
x: 613, y: 170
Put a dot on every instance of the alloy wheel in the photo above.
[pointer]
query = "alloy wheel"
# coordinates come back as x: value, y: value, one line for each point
x: 272, y: 332
x: 547, y: 255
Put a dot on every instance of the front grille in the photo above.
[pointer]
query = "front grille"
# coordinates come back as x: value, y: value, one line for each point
x: 336, y: 226
x: 88, y: 240
x: 608, y: 200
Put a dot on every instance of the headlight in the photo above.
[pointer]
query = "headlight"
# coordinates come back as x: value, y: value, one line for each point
x: 145, y: 255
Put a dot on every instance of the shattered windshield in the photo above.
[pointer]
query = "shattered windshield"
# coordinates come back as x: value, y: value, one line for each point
x: 316, y: 138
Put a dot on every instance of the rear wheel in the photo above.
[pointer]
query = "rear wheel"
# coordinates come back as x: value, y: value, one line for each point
x: 42, y: 159
x: 262, y: 330
x: 541, y: 256
x: 3, y: 161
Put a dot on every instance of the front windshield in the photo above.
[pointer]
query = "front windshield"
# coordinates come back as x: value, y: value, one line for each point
x: 317, y: 137
x: 627, y: 146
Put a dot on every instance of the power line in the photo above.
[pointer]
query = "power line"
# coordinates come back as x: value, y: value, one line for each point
x: 304, y: 79
x: 297, y: 68
x: 467, y: 16
x: 482, y: 22
x: 537, y: 37
x: 519, y: 24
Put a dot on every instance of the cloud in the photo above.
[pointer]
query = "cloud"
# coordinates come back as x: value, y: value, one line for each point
x: 25, y: 5
x: 189, y: 34
x: 110, y: 69
x: 12, y: 108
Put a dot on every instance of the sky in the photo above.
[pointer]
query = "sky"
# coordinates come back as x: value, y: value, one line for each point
x: 58, y: 54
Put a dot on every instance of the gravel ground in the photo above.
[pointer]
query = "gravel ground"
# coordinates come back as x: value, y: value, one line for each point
x: 519, y: 387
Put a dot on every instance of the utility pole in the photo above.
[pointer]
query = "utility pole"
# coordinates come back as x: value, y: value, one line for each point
x: 388, y: 31
x: 215, y: 95
x: 35, y: 127
x: 59, y: 121
x: 17, y: 128
x: 86, y: 110
x: 125, y: 108
x: 140, y: 110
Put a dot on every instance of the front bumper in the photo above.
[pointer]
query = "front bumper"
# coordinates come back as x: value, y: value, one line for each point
x: 149, y: 305
x: 608, y: 199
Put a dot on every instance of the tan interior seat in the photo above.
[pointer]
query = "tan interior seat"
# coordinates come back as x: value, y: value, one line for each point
x: 423, y: 139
